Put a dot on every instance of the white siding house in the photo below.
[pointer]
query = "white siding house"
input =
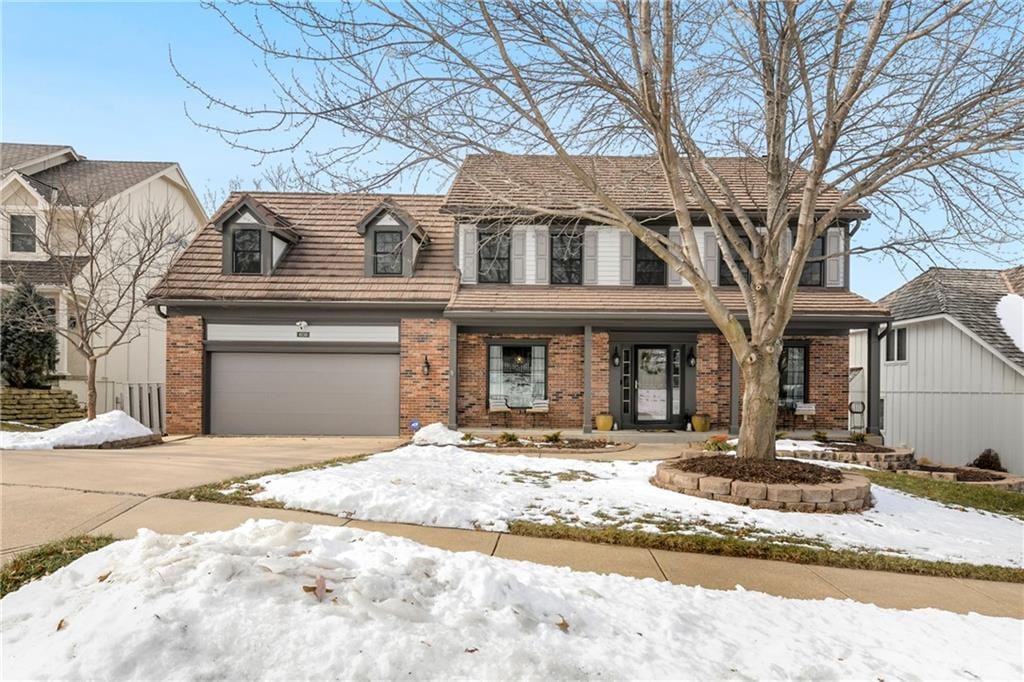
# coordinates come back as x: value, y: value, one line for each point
x: 952, y: 378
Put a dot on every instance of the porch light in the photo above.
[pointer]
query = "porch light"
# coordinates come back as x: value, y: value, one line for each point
x: 616, y: 360
x: 426, y: 366
x: 691, y: 359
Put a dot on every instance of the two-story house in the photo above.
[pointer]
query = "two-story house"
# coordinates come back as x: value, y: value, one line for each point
x: 42, y: 182
x: 356, y: 314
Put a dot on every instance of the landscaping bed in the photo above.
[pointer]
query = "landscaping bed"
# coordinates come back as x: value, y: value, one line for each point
x: 779, y: 485
x: 969, y: 476
x: 841, y: 452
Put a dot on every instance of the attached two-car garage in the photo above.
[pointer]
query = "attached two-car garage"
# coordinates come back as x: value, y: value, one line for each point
x: 303, y: 388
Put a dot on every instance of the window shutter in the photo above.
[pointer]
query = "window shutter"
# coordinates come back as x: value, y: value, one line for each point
x: 626, y: 249
x: 674, y: 278
x: 518, y: 258
x: 590, y: 257
x: 834, y: 262
x: 543, y: 245
x: 711, y: 257
x: 469, y: 247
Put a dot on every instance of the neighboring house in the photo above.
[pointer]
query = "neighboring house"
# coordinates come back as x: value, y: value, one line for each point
x: 40, y: 181
x: 952, y: 376
x: 356, y: 314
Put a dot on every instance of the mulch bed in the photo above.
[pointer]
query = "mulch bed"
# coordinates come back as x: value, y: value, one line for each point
x: 965, y: 475
x: 761, y: 471
x: 855, y: 447
x: 563, y: 444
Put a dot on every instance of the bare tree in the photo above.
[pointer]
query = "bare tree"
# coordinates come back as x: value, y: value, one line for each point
x: 108, y: 253
x: 894, y: 105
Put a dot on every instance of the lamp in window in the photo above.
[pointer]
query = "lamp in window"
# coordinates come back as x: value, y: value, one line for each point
x: 616, y: 360
x: 519, y: 359
x: 691, y: 359
x: 426, y: 366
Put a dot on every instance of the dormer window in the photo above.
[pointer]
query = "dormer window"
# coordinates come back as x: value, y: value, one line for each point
x: 387, y: 252
x: 246, y: 252
x: 393, y: 240
x: 255, y: 238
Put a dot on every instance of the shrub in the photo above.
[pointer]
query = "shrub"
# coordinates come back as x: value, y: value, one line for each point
x: 468, y: 437
x: 28, y: 343
x: 554, y: 437
x: 858, y: 436
x: 821, y: 436
x: 988, y: 459
x: 717, y: 444
x: 779, y: 435
x: 507, y: 437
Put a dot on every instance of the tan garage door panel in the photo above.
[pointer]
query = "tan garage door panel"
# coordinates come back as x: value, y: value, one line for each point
x: 304, y: 394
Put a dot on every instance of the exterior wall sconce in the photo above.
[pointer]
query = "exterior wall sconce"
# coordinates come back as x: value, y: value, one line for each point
x: 426, y: 366
x: 691, y: 359
x: 616, y: 360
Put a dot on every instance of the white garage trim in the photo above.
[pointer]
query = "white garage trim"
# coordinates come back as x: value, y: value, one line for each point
x: 304, y: 333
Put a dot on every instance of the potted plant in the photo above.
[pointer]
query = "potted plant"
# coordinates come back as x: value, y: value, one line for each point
x: 701, y: 422
x: 604, y: 422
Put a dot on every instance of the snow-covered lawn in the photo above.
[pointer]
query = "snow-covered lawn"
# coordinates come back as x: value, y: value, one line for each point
x: 232, y: 605
x: 109, y: 426
x: 449, y: 486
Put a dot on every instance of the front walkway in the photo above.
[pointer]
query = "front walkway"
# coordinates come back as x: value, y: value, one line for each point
x: 890, y: 590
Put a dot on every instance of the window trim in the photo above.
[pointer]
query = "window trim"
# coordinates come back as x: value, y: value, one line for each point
x: 820, y: 264
x: 259, y: 250
x: 638, y: 247
x: 892, y: 346
x: 505, y: 233
x: 577, y: 235
x: 399, y: 255
x: 34, y: 232
x: 520, y: 342
x: 806, y: 346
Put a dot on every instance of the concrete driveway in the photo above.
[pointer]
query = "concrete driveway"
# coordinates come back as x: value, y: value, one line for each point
x: 50, y: 494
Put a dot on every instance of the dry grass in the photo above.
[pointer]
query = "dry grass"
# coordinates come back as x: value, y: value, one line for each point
x: 44, y: 560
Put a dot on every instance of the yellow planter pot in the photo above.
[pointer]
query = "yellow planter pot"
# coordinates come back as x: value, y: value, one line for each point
x: 604, y: 422
x: 701, y: 422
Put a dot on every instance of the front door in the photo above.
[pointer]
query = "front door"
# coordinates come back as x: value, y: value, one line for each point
x: 652, y: 385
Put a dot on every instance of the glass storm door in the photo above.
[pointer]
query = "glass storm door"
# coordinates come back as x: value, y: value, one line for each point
x: 651, y: 384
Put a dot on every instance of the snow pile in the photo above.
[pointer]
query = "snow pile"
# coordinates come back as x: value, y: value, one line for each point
x: 1010, y: 311
x: 448, y: 486
x: 439, y: 434
x: 232, y: 605
x: 106, y: 427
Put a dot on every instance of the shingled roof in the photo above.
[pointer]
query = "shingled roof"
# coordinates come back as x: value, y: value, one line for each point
x: 487, y: 183
x: 968, y: 296
x: 14, y: 154
x: 86, y: 182
x: 647, y: 302
x: 56, y: 270
x: 327, y: 263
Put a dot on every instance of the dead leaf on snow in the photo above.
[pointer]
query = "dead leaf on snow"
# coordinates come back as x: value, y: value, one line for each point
x: 103, y: 577
x: 319, y: 588
x: 61, y: 625
x: 562, y: 624
x: 472, y: 650
x: 298, y: 552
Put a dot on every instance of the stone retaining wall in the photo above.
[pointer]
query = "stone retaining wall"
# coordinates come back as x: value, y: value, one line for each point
x: 122, y: 444
x: 853, y: 494
x: 1008, y: 482
x: 45, y: 407
x: 899, y: 458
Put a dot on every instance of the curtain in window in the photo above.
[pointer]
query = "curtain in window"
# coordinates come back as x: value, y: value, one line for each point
x: 793, y: 376
x: 517, y: 375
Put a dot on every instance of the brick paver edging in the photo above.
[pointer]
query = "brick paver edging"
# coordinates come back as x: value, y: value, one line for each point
x: 852, y: 494
x: 1007, y: 482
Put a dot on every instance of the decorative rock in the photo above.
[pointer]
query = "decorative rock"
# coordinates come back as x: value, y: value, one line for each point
x: 854, y: 505
x: 846, y: 491
x: 717, y: 485
x: 816, y: 493
x: 783, y: 492
x: 749, y: 491
x: 731, y: 499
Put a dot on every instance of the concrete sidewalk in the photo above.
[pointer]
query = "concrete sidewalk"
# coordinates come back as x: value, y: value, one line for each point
x: 890, y: 590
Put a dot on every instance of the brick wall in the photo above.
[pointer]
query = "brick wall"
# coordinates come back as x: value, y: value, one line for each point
x: 423, y: 397
x: 827, y: 382
x: 565, y: 381
x: 184, y: 388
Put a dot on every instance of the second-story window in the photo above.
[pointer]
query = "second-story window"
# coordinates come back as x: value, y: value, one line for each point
x: 813, y: 274
x: 387, y: 252
x: 494, y: 253
x: 649, y: 268
x: 567, y: 258
x: 23, y: 233
x: 725, y: 277
x: 246, y: 254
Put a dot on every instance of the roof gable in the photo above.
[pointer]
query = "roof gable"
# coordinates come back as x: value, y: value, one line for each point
x: 389, y: 206
x: 33, y: 158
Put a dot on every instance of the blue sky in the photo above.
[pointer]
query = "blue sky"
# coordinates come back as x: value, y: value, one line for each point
x: 97, y: 76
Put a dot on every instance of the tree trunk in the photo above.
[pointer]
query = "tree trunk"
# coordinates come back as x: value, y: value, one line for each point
x: 90, y: 387
x: 760, y: 407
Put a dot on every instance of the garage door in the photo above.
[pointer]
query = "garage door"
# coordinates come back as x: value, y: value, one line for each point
x: 303, y: 394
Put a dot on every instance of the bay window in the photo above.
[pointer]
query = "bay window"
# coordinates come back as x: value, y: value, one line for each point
x: 516, y: 375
